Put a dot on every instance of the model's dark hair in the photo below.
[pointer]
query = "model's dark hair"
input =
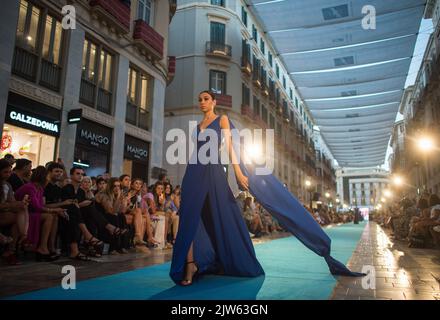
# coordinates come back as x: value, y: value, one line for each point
x: 212, y: 94
x: 39, y: 175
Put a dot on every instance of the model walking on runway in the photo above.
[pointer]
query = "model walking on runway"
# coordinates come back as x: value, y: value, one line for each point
x: 212, y: 236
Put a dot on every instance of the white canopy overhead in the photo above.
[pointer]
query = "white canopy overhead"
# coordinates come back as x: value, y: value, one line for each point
x: 351, y: 78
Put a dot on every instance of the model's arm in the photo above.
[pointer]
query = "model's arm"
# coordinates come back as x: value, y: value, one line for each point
x: 226, y: 129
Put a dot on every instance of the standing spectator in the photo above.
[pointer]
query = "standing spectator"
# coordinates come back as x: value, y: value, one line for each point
x: 40, y: 216
x: 13, y: 213
x: 21, y: 173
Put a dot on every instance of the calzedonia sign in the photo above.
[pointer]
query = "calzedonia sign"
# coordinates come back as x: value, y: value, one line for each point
x: 136, y: 149
x: 94, y: 135
x: 32, y: 121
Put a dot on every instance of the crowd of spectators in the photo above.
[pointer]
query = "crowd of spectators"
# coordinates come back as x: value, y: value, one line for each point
x: 416, y: 221
x: 50, y: 211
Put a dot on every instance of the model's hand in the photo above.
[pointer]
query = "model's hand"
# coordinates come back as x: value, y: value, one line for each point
x: 243, y: 181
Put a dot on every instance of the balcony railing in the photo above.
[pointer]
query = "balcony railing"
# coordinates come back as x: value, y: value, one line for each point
x: 24, y: 64
x: 87, y: 93
x: 50, y: 75
x: 104, y: 101
x: 256, y: 80
x: 114, y: 12
x: 148, y: 39
x: 246, y: 66
x: 247, y: 112
x: 265, y: 89
x: 131, y: 114
x: 218, y: 50
x: 137, y: 116
x: 224, y: 100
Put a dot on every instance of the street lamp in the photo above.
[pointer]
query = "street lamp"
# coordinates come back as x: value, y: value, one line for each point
x: 397, y: 180
x: 387, y: 193
x: 425, y: 144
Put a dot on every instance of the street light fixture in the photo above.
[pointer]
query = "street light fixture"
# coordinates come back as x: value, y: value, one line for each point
x: 387, y: 193
x: 309, y: 189
x: 425, y: 144
x: 398, y: 180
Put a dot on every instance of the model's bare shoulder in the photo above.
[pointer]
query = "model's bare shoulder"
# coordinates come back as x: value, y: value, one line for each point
x: 224, y: 122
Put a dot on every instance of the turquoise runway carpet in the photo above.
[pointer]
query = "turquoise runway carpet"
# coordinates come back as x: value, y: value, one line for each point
x: 292, y: 272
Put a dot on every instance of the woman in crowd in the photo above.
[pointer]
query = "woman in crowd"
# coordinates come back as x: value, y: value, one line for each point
x: 112, y: 204
x: 175, y: 196
x: 156, y: 207
x: 171, y: 212
x: 133, y: 215
x: 40, y: 216
x: 253, y: 220
x: 95, y: 220
x: 13, y: 214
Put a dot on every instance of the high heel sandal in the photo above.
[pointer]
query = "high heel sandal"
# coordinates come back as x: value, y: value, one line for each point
x: 187, y: 282
x: 96, y: 245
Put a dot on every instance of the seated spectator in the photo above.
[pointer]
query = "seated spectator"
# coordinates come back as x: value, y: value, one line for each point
x: 137, y: 214
x: 94, y: 220
x: 175, y: 196
x: 10, y: 158
x: 101, y: 185
x: 417, y: 234
x: 40, y: 216
x: 402, y: 221
x: 21, y: 173
x: 13, y: 214
x: 113, y: 204
x: 75, y: 225
x: 252, y: 219
x: 156, y: 207
x: 171, y: 213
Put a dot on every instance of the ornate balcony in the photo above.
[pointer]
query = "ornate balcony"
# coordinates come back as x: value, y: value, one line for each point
x: 113, y: 12
x: 265, y: 89
x: 224, y: 100
x: 220, y: 50
x: 247, y: 112
x: 246, y: 66
x: 171, y: 68
x: 148, y: 40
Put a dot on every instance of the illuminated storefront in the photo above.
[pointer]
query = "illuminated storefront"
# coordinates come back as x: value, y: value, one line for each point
x: 30, y: 131
x: 136, y: 154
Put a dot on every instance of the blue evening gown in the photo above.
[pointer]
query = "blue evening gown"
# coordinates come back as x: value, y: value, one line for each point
x: 211, y: 219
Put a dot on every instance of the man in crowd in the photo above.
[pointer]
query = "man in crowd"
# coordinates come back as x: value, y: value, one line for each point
x: 21, y: 174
